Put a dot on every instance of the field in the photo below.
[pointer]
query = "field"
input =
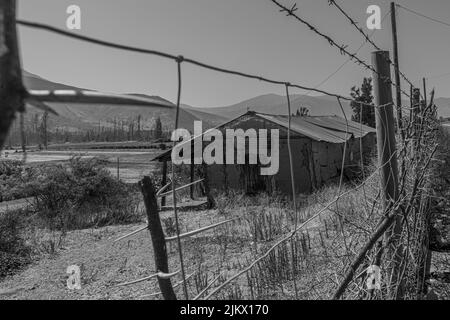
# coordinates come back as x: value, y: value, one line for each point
x: 105, y: 264
x: 210, y: 258
x: 133, y: 163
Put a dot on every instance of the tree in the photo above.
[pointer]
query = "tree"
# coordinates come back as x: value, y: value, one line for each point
x: 303, y: 112
x: 363, y: 94
x: 43, y: 129
x: 158, y: 128
x: 139, y: 135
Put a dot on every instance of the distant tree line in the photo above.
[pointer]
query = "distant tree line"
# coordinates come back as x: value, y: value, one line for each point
x: 37, y: 132
x: 363, y: 111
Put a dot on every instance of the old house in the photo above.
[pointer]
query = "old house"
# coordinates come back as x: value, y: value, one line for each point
x: 317, y: 144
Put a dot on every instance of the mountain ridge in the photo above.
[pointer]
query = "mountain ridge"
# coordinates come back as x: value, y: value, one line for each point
x: 82, y: 116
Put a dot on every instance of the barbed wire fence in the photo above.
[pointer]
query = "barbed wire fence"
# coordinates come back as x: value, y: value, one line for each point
x: 417, y: 151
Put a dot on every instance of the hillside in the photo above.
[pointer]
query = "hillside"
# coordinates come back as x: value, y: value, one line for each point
x: 82, y: 116
x: 206, y: 115
x: 73, y: 116
x: 318, y: 106
x: 276, y: 104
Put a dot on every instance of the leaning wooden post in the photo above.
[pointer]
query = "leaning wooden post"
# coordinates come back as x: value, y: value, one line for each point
x: 157, y: 235
x: 12, y: 91
x: 416, y: 102
x: 387, y: 158
x: 415, y: 125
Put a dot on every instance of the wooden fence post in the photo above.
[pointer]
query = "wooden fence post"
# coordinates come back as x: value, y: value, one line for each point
x: 157, y: 235
x: 209, y: 197
x: 387, y: 159
x: 12, y: 91
x: 396, y: 70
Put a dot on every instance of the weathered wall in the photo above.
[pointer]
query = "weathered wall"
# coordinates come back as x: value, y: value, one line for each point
x: 315, y: 162
x: 301, y: 156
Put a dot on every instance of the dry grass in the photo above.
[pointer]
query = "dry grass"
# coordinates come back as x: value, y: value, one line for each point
x: 221, y: 251
x: 309, y: 266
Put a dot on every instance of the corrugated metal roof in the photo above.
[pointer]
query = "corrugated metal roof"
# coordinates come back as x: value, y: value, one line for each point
x: 340, y: 124
x: 321, y: 128
x: 305, y: 128
x: 331, y: 129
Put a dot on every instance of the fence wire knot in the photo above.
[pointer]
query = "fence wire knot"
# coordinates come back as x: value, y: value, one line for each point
x: 180, y: 59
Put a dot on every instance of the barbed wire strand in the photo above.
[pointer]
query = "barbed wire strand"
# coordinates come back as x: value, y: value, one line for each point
x: 366, y: 36
x: 347, y: 61
x: 55, y: 30
x: 290, y: 12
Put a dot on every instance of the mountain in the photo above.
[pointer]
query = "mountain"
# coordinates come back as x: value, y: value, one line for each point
x: 277, y: 104
x: 76, y: 116
x: 317, y: 105
x: 207, y: 115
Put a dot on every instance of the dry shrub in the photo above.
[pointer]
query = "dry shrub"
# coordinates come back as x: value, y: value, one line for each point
x: 82, y: 194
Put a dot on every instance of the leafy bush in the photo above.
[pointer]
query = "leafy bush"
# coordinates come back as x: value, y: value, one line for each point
x: 13, y: 178
x: 82, y: 194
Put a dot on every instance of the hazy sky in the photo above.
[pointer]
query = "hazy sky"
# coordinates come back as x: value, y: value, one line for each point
x: 248, y: 35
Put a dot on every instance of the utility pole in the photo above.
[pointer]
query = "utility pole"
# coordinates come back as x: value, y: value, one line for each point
x: 387, y: 159
x: 398, y: 92
x: 12, y: 91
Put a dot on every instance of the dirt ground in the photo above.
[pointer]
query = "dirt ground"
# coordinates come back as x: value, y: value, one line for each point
x: 105, y: 264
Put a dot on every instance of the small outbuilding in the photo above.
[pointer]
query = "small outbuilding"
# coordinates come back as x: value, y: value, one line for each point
x: 317, y: 144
